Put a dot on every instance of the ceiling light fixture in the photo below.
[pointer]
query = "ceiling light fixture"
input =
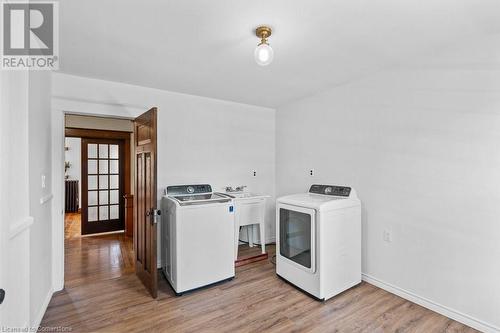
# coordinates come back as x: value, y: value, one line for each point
x: 263, y: 52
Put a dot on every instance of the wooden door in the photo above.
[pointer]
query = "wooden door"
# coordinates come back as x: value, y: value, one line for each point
x: 103, y: 182
x: 145, y: 212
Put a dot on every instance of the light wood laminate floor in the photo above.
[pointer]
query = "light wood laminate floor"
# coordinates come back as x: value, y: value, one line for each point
x: 102, y: 294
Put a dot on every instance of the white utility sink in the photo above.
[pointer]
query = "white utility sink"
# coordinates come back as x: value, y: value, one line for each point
x: 249, y: 209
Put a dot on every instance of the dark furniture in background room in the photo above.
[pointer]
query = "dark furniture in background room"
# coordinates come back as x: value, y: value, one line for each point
x: 71, y: 193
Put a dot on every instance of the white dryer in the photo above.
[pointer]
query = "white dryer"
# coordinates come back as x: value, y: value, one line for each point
x: 318, y: 242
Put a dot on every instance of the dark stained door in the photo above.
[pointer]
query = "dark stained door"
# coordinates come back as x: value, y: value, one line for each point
x: 102, y: 185
x: 145, y: 213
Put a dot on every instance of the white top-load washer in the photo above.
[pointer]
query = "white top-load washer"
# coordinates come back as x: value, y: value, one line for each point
x: 318, y: 247
x: 197, y: 237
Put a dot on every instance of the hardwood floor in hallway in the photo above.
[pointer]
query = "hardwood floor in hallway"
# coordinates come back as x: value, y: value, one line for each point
x: 97, y: 258
x: 72, y: 225
x: 102, y: 294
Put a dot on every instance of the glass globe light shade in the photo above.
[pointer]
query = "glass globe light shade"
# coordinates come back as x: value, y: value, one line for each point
x: 264, y: 54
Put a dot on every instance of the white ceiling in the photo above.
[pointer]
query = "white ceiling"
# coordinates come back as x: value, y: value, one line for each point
x: 205, y: 47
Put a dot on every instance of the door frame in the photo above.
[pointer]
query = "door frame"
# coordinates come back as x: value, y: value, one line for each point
x: 58, y: 158
x: 60, y: 108
x: 70, y: 132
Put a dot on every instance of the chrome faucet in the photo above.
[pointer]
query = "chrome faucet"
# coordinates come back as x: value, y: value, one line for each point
x: 240, y: 188
x: 237, y: 189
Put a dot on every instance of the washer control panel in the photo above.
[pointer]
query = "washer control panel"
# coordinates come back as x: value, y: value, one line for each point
x: 339, y: 191
x: 189, y: 189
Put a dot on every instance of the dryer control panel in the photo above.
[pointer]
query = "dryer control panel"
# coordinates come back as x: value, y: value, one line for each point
x: 339, y: 191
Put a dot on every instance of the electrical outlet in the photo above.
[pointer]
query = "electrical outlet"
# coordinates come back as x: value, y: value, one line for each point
x: 311, y: 172
x: 254, y: 173
x: 43, y: 181
x: 387, y: 235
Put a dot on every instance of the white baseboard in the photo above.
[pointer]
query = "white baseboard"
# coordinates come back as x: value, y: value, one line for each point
x: 104, y: 233
x: 58, y: 286
x: 426, y: 303
x: 38, y: 319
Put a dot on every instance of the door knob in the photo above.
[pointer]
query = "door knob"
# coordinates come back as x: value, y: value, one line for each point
x: 156, y: 214
x: 2, y: 295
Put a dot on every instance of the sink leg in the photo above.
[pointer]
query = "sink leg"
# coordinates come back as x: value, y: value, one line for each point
x: 262, y: 237
x: 250, y: 235
x: 236, y: 240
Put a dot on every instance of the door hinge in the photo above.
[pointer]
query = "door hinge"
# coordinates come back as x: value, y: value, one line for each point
x: 154, y: 214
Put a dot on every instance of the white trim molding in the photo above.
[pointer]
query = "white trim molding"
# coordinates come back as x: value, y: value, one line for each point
x: 429, y: 304
x: 45, y: 199
x: 104, y: 233
x: 20, y: 226
x: 41, y: 312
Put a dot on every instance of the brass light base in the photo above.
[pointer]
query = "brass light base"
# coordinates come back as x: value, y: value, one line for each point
x: 263, y: 32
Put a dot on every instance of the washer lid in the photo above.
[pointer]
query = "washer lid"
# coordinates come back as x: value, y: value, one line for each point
x: 200, y: 199
x: 320, y: 201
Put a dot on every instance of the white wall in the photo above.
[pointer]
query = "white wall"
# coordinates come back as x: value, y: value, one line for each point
x: 421, y: 147
x: 74, y: 157
x: 15, y: 218
x: 25, y: 224
x: 40, y: 195
x: 199, y: 139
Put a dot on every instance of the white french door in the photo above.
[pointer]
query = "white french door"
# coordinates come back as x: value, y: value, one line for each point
x: 102, y: 186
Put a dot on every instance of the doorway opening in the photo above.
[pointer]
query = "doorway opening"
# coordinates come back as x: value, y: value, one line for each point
x: 98, y: 223
x: 115, y: 210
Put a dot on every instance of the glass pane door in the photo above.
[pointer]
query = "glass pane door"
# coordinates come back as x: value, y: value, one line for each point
x: 102, y: 170
x: 295, y: 236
